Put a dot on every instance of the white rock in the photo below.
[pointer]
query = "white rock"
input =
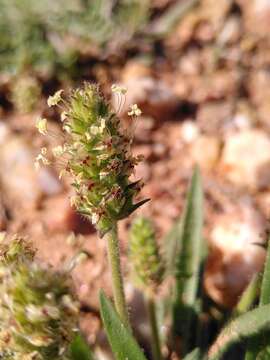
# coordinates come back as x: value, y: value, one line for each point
x: 189, y: 131
x: 235, y: 253
x: 205, y: 151
x: 246, y: 159
x: 21, y: 182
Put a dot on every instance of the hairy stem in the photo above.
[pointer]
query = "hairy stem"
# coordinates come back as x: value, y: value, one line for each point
x: 156, y: 349
x: 117, y: 279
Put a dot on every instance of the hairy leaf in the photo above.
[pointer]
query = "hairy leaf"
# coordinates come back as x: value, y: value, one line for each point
x: 123, y: 344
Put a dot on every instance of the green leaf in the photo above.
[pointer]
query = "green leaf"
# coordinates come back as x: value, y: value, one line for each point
x: 264, y: 354
x: 194, y: 355
x: 265, y: 289
x: 189, y: 260
x: 80, y: 350
x: 249, y: 296
x: 123, y: 344
x: 172, y: 246
x: 258, y: 344
x: 245, y: 326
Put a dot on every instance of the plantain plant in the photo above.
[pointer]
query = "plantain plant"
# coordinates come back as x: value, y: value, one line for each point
x: 97, y: 155
x: 38, y: 310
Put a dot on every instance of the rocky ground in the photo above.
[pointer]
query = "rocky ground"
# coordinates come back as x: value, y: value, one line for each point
x: 204, y: 93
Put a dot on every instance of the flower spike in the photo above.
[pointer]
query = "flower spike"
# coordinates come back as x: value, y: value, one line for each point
x: 38, y: 312
x: 97, y: 155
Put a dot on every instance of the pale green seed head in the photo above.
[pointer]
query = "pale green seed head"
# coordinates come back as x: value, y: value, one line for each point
x: 38, y: 311
x: 145, y: 259
x: 97, y: 155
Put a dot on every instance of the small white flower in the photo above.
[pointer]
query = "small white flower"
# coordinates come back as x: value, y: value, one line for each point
x: 58, y: 151
x: 63, y: 116
x: 95, y: 218
x: 61, y: 351
x: 55, y: 99
x: 42, y: 126
x: 94, y: 130
x: 74, y: 201
x: 67, y: 128
x: 102, y: 125
x: 46, y: 161
x: 134, y: 110
x: 41, y: 158
x: 50, y: 296
x: 62, y: 173
x: 69, y: 304
x: 51, y: 311
x: 103, y: 174
x: 88, y: 136
x: 79, y: 178
x: 34, y: 313
x: 100, y: 147
x: 102, y: 157
x: 43, y: 151
x: 118, y: 89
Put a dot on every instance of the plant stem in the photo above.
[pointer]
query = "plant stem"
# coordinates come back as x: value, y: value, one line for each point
x: 151, y: 307
x: 117, y: 279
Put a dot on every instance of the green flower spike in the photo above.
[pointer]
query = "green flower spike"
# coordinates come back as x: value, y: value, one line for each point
x: 145, y: 259
x: 38, y: 313
x: 97, y: 155
x: 147, y: 269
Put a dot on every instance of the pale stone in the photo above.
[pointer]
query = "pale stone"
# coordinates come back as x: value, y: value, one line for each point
x: 189, y: 131
x: 246, y: 159
x: 205, y: 151
x: 236, y: 253
x: 21, y: 183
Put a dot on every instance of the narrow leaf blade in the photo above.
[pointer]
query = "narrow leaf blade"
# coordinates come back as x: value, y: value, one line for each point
x: 123, y: 344
x: 265, y: 289
x: 245, y: 326
x: 194, y: 355
x: 80, y: 349
x: 172, y: 246
x: 249, y: 296
x: 189, y: 260
x: 258, y: 344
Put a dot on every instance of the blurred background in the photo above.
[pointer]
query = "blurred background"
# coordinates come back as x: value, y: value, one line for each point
x: 198, y: 69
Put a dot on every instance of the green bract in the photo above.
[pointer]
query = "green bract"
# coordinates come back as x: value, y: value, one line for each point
x: 144, y: 254
x: 97, y: 154
x: 38, y: 314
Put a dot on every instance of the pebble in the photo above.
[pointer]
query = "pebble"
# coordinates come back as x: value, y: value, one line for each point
x: 21, y: 182
x: 60, y: 217
x: 246, y: 159
x: 235, y: 253
x: 189, y: 131
x: 205, y: 151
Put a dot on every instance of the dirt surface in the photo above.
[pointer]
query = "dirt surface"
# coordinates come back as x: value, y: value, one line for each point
x: 204, y: 93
